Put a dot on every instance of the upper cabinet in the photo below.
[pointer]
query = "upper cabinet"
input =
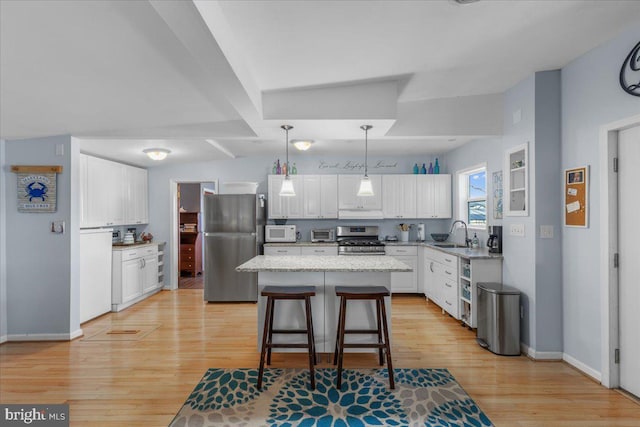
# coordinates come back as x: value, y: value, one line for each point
x: 320, y: 196
x: 399, y: 196
x: 433, y: 196
x: 112, y: 193
x: 289, y: 206
x: 348, y: 186
x: 517, y: 181
x: 137, y: 206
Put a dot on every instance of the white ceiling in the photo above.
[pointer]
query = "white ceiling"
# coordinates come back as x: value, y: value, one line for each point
x: 124, y: 76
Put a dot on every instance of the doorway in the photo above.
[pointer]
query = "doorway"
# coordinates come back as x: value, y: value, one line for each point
x: 629, y: 254
x: 619, y: 153
x: 190, y: 269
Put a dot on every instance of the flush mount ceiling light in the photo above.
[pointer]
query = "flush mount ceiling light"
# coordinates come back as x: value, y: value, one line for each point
x: 302, y: 144
x: 287, y: 185
x: 157, y: 153
x: 366, y: 188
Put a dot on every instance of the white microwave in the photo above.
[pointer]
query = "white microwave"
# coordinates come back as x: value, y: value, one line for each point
x: 280, y: 233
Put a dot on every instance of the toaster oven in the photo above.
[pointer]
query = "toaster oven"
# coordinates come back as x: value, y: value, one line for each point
x: 323, y: 235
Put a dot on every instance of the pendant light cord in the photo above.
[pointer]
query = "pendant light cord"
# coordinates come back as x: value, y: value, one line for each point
x: 286, y: 129
x: 366, y: 146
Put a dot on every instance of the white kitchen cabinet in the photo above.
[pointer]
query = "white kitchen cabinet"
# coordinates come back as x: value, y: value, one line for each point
x: 134, y: 275
x: 405, y: 282
x: 433, y: 196
x: 285, y: 207
x: 473, y: 271
x: 137, y: 200
x: 112, y: 193
x: 105, y: 192
x: 320, y: 196
x: 399, y: 196
x: 315, y: 249
x: 516, y: 181
x: 319, y: 250
x: 348, y: 186
x: 84, y: 208
x: 441, y: 277
x: 282, y: 250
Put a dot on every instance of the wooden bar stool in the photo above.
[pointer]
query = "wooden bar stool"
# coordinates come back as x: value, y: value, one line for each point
x: 274, y: 293
x: 376, y: 293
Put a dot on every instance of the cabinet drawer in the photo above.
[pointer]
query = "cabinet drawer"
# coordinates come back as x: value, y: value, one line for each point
x: 281, y: 250
x: 188, y: 257
x: 148, y: 251
x: 444, y: 258
x: 185, y: 249
x: 446, y: 271
x: 130, y: 254
x: 401, y: 250
x: 321, y: 250
x: 187, y: 265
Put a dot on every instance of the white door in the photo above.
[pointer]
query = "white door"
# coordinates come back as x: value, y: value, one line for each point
x: 629, y: 253
x: 149, y: 273
x: 131, y: 279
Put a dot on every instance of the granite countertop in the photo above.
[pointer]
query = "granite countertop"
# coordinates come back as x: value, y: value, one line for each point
x: 313, y: 263
x: 478, y: 253
x: 299, y: 244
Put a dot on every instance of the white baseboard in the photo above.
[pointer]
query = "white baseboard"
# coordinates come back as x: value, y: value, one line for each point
x: 45, y: 337
x: 3, y: 339
x: 540, y: 355
x: 582, y: 367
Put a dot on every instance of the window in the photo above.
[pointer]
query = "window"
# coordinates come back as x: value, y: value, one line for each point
x: 473, y: 196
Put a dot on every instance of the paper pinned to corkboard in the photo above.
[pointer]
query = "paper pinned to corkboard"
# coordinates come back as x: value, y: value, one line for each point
x: 576, y: 195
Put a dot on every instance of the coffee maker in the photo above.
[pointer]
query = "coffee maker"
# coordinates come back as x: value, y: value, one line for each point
x: 494, y: 243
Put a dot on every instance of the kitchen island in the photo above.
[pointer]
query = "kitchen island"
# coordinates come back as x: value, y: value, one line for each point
x: 325, y: 273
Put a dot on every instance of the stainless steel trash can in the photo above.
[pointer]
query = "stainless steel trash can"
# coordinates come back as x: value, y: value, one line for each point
x: 499, y: 318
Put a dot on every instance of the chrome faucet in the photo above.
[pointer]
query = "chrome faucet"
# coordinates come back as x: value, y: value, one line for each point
x: 467, y: 240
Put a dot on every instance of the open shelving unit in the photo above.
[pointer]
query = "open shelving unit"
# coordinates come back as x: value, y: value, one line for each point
x: 161, y: 247
x: 474, y: 271
x: 517, y: 181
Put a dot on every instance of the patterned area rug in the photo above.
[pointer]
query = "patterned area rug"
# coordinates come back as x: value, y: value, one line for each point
x: 422, y: 397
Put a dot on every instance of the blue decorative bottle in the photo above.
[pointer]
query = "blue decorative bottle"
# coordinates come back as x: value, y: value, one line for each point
x: 278, y: 168
x: 415, y: 168
x: 275, y: 169
x: 430, y: 168
x: 423, y: 170
x: 294, y: 169
x: 436, y: 168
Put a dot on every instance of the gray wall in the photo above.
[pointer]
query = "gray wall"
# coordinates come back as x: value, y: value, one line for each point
x: 591, y: 97
x: 256, y: 169
x: 548, y: 211
x: 519, y: 252
x: 42, y: 267
x: 190, y: 197
x: 3, y: 244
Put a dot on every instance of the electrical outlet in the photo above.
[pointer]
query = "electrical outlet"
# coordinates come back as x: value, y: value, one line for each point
x: 57, y: 227
x: 517, y: 230
x: 546, y: 231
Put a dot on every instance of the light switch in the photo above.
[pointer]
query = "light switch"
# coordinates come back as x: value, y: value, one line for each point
x: 546, y: 231
x: 59, y: 150
x: 517, y: 230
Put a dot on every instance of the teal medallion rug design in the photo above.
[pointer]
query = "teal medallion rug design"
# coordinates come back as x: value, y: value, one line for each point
x: 422, y: 397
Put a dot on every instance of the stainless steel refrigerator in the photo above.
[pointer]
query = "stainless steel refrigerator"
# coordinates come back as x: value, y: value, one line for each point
x: 233, y: 234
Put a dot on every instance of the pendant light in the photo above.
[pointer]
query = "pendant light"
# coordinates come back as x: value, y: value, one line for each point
x: 287, y: 185
x: 366, y: 188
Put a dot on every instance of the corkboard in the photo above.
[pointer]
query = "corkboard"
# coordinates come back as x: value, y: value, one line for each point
x: 576, y: 197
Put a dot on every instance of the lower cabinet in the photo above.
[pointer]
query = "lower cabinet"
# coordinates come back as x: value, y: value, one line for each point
x: 404, y: 282
x: 451, y: 281
x: 134, y: 275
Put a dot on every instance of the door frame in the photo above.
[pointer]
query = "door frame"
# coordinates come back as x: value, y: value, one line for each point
x: 174, y: 224
x: 609, y: 304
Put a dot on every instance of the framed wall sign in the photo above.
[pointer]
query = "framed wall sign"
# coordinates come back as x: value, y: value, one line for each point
x: 576, y: 197
x: 37, y: 190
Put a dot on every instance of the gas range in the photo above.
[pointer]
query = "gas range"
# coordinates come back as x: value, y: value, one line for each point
x: 359, y: 240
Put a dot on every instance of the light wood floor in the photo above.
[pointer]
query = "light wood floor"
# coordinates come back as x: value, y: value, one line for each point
x: 144, y: 383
